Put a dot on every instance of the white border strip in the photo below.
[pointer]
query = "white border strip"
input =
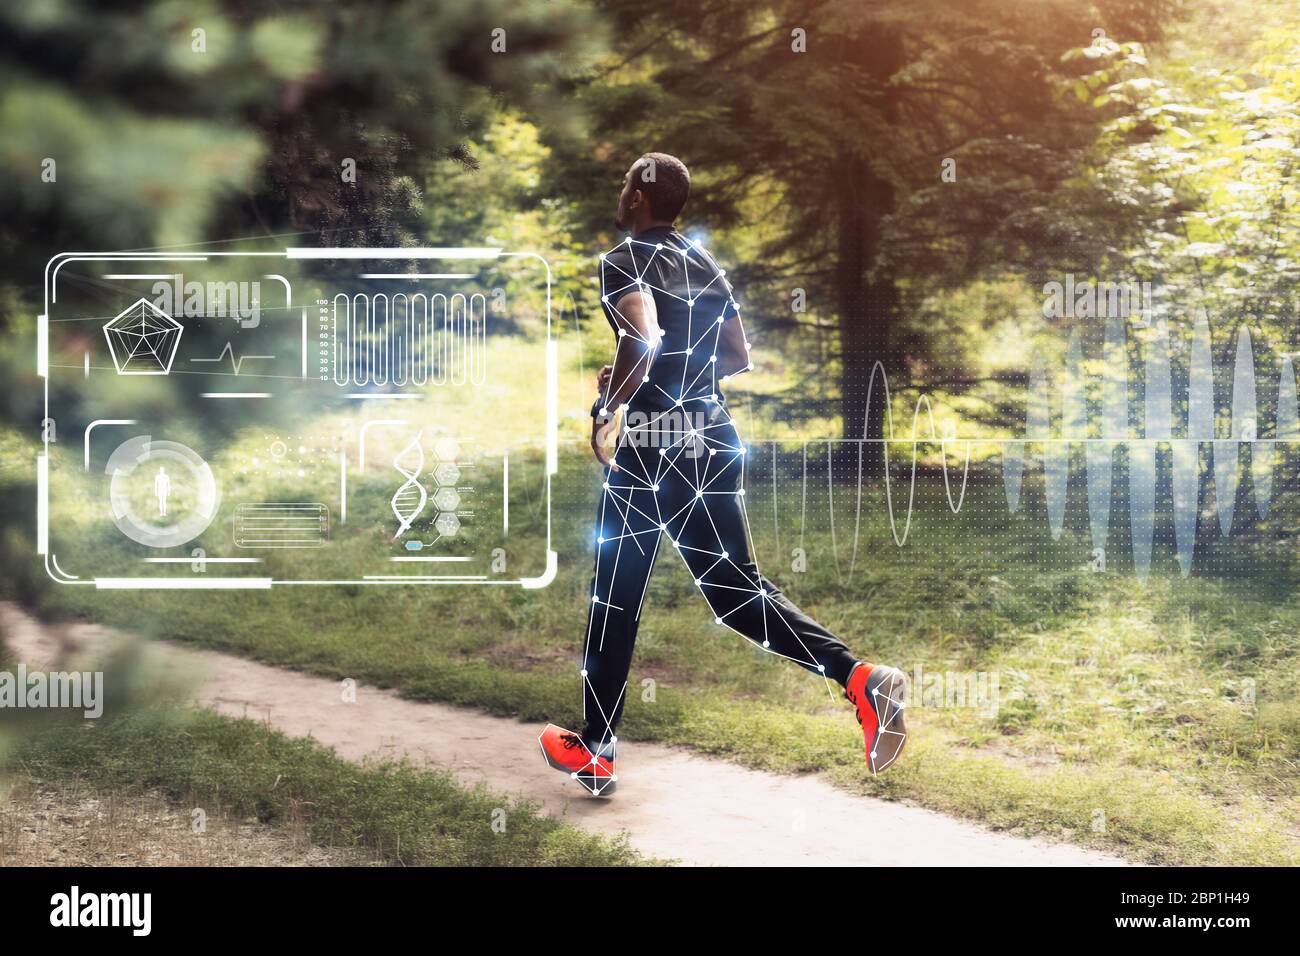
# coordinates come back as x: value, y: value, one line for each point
x: 392, y: 252
x: 181, y: 584
x: 42, y: 504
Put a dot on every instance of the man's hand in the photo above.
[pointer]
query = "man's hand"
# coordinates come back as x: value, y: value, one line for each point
x: 600, y: 435
x: 636, y: 321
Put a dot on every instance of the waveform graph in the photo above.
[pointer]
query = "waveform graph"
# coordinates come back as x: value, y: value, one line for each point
x: 1145, y: 425
x: 1126, y: 441
x: 812, y: 517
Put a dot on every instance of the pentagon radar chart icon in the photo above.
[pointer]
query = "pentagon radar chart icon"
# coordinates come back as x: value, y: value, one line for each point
x: 143, y: 340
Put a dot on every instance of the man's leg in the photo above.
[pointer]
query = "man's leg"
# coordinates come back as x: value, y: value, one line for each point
x: 707, y: 523
x: 702, y: 501
x: 627, y: 536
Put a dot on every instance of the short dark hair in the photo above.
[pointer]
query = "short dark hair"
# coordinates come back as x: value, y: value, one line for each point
x: 669, y: 187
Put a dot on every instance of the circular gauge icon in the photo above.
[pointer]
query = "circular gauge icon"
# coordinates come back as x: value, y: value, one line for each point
x: 162, y: 493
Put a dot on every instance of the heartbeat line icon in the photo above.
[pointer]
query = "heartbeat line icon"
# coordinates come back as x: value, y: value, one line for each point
x: 235, y: 363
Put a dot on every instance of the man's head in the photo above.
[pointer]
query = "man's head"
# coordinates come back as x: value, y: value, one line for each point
x: 654, y: 192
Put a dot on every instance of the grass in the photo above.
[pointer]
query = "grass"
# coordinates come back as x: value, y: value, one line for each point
x: 390, y: 813
x: 1158, y: 721
x: 75, y: 824
x: 152, y: 760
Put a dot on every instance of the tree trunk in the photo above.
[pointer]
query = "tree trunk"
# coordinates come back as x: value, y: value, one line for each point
x: 867, y: 308
x: 867, y: 298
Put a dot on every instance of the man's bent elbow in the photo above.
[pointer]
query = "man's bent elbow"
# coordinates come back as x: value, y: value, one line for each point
x: 734, y: 365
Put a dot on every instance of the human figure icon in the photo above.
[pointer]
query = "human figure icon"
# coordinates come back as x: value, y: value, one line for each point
x: 162, y: 487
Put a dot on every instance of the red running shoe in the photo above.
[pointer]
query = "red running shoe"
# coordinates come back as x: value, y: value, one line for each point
x: 879, y: 694
x: 566, y: 752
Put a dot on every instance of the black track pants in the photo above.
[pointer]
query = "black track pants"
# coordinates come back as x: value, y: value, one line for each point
x: 680, y: 478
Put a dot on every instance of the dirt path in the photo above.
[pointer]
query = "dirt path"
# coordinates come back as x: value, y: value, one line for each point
x: 671, y: 803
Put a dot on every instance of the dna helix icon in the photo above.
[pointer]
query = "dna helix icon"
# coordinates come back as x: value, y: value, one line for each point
x: 410, y: 498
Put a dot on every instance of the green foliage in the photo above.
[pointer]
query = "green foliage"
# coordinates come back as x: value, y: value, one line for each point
x: 1203, y: 156
x: 840, y: 145
x: 1168, y: 157
x: 158, y: 112
x: 165, y: 124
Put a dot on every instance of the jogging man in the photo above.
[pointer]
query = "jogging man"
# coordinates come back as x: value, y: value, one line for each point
x: 677, y: 474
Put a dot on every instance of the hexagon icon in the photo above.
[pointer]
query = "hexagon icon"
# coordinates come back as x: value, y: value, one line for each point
x: 446, y: 499
x: 447, y: 449
x: 446, y: 474
x: 447, y: 524
x: 143, y: 340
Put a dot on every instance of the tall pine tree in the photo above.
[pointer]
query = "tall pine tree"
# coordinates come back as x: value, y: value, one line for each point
x: 905, y: 142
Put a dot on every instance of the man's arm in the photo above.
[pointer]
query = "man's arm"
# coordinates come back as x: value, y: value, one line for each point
x: 636, y: 323
x: 733, y: 348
